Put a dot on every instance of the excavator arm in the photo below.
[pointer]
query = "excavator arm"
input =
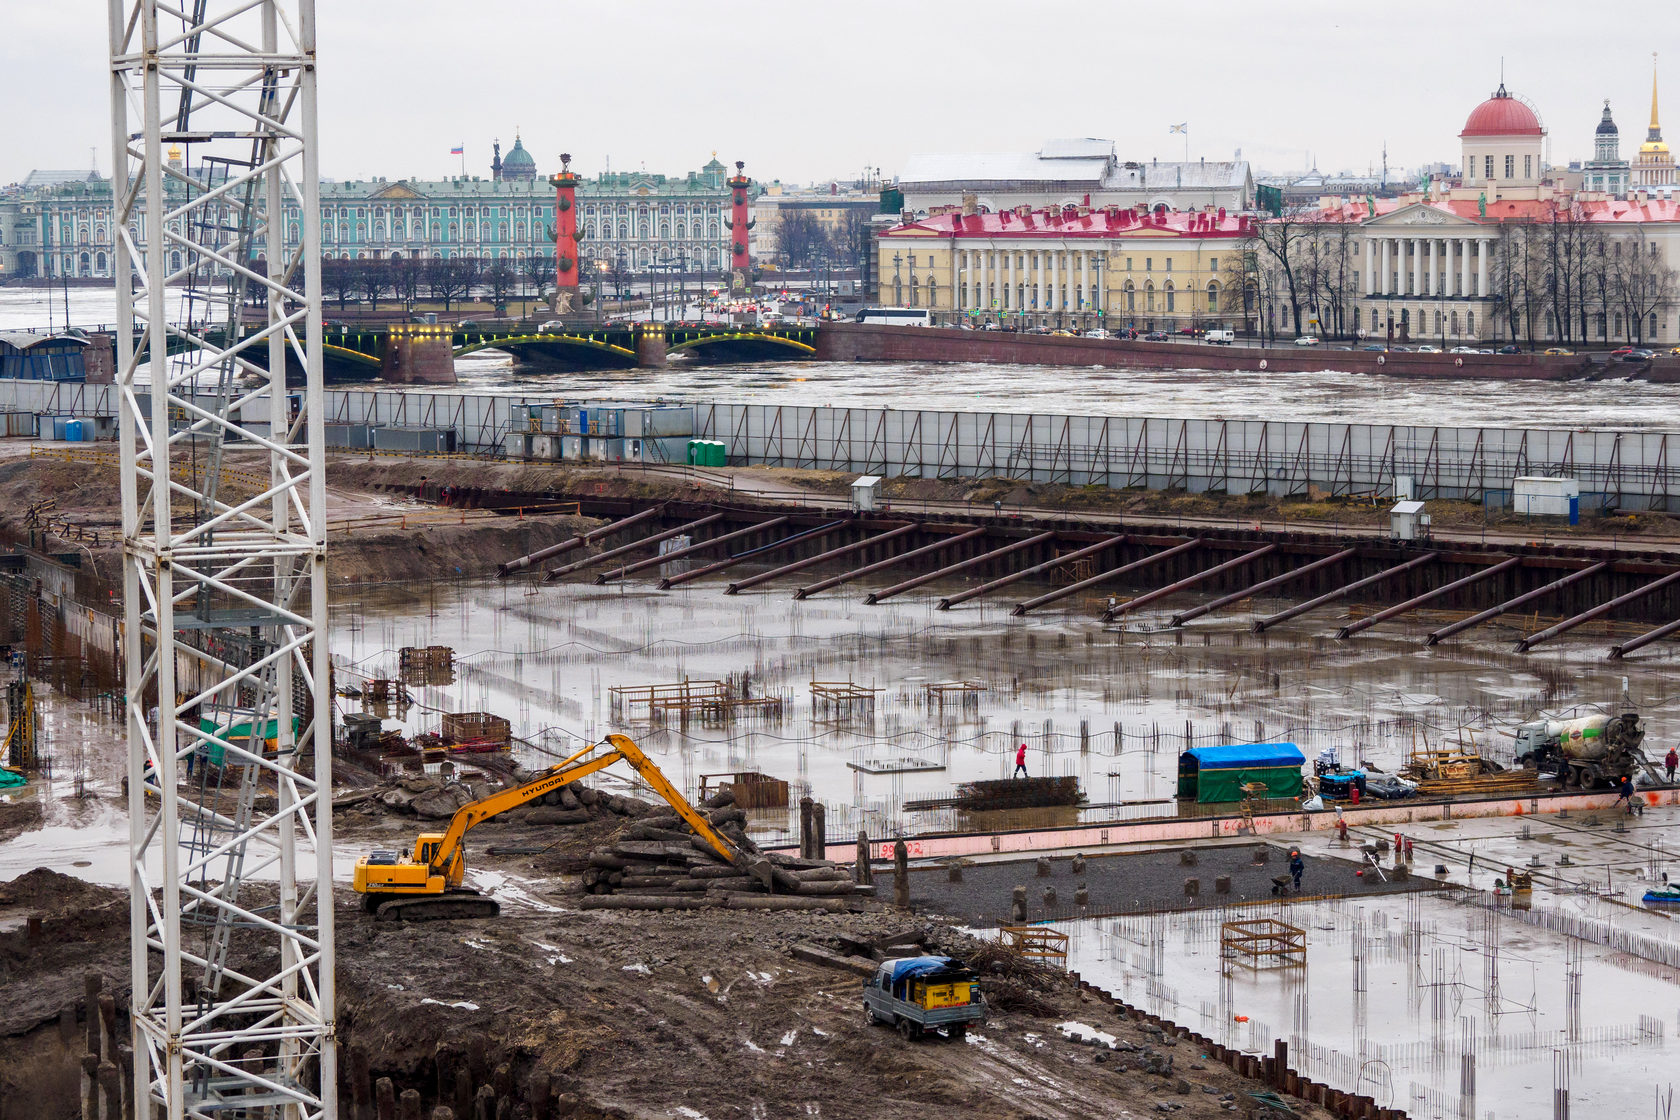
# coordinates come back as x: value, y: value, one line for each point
x: 578, y: 766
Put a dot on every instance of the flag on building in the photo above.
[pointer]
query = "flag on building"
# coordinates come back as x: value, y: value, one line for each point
x: 1185, y: 128
x: 459, y: 149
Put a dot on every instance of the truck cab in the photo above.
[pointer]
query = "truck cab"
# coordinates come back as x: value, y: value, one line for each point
x: 918, y: 995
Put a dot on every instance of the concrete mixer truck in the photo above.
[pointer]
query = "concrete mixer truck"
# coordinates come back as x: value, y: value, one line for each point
x: 1588, y: 752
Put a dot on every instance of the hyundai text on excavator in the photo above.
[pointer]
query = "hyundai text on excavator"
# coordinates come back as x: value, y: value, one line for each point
x: 427, y: 885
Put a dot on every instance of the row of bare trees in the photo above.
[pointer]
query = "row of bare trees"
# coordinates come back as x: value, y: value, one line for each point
x: 802, y: 241
x: 446, y: 280
x: 1567, y: 279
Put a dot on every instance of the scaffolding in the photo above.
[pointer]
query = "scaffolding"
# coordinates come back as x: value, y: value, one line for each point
x: 426, y: 665
x: 213, y: 125
x: 841, y: 701
x: 711, y: 703
x: 1262, y: 943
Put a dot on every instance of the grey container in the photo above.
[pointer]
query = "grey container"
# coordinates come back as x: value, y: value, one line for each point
x: 671, y: 450
x: 610, y: 450
x: 21, y: 423
x: 545, y: 447
x: 574, y: 448
x: 354, y: 436
x: 432, y: 441
x: 655, y: 423
x: 518, y: 445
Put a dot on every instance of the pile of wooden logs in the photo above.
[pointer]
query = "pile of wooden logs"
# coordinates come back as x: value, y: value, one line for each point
x: 658, y: 863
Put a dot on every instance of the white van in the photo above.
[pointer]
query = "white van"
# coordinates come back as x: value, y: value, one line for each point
x: 1221, y: 338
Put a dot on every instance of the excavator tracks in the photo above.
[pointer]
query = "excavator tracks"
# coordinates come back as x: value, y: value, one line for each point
x: 454, y: 906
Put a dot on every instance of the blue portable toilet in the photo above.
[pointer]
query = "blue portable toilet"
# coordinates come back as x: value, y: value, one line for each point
x: 73, y: 431
x: 1575, y: 509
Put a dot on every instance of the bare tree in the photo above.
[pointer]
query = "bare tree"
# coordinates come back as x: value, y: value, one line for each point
x: 338, y: 280
x: 800, y: 239
x: 501, y: 279
x: 1642, y: 285
x: 408, y: 277
x: 450, y: 279
x: 1285, y: 246
x: 373, y: 280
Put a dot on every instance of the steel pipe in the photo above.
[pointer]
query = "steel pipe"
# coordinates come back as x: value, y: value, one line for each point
x: 891, y: 561
x: 1263, y: 586
x: 1074, y: 588
x: 1014, y: 577
x: 627, y: 549
x: 813, y: 561
x: 741, y: 557
x: 1602, y: 609
x: 1148, y: 597
x: 1527, y: 597
x: 542, y: 554
x: 703, y: 546
x: 1260, y: 624
x: 1417, y: 601
x: 959, y: 566
x: 1645, y: 639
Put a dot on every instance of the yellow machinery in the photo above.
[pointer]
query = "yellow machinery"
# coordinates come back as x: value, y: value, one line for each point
x: 427, y: 885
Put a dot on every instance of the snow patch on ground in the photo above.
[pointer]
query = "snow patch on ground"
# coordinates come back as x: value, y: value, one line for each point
x: 754, y: 1047
x: 641, y: 968
x: 464, y: 1005
x: 787, y: 1039
x: 1082, y: 1033
x: 689, y: 1113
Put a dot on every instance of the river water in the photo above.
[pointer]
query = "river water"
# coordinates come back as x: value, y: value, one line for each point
x: 1326, y: 395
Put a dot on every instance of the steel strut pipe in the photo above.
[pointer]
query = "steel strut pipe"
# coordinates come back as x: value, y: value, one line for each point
x: 959, y: 566
x: 812, y: 561
x: 1264, y: 585
x: 1526, y: 597
x: 1617, y: 652
x: 1417, y: 601
x: 1074, y: 588
x: 627, y: 549
x: 901, y: 558
x: 742, y: 557
x: 1014, y: 577
x: 542, y: 554
x: 1550, y: 632
x: 1260, y: 624
x: 1148, y: 597
x: 703, y: 546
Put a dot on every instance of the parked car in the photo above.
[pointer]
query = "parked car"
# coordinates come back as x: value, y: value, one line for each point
x: 1190, y: 332
x: 1096, y: 334
x: 989, y: 326
x: 1510, y: 348
x: 1157, y: 336
x: 1621, y: 353
x: 1374, y: 349
x: 1674, y: 353
x: 1306, y: 340
x: 1637, y: 354
x: 1564, y: 352
x: 1462, y: 350
x: 1428, y: 349
x: 552, y: 326
x: 1401, y: 349
x: 1220, y: 337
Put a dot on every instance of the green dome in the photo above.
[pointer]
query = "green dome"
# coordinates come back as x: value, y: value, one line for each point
x: 518, y: 163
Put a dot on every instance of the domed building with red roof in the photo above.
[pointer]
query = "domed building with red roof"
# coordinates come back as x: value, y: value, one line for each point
x: 1504, y: 144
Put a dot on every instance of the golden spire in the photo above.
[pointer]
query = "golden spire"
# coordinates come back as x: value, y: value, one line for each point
x: 1656, y: 129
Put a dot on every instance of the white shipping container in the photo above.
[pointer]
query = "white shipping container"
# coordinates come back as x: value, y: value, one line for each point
x: 1537, y: 496
x: 574, y: 448
x: 647, y: 423
x: 518, y: 445
x: 545, y: 447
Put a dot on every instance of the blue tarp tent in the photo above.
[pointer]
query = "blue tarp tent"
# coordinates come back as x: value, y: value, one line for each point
x: 1219, y: 773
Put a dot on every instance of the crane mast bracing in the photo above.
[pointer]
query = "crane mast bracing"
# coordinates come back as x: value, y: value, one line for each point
x: 224, y: 596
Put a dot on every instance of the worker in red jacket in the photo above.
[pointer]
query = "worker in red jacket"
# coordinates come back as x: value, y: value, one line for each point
x: 1021, y: 761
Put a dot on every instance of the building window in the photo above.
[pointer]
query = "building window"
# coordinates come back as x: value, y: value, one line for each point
x: 1528, y: 167
x: 1149, y: 264
x: 1618, y: 323
x: 1653, y: 314
x: 1213, y: 266
x: 1169, y: 264
x: 1131, y: 296
x: 1128, y: 264
x: 1487, y: 167
x: 1171, y: 306
x: 1470, y: 323
x: 1437, y: 322
x: 1149, y: 296
x: 1356, y: 319
x: 1510, y: 167
x: 1213, y: 297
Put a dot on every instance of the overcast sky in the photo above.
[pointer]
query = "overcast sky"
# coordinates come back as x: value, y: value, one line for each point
x: 804, y: 91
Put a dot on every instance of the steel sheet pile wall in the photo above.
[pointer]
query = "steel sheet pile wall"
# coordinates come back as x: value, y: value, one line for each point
x: 1626, y: 469
x: 1630, y: 470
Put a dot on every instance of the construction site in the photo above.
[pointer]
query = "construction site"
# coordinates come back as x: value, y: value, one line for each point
x: 479, y: 756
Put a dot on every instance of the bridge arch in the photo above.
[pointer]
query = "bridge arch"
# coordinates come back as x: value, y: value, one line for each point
x: 744, y: 346
x: 551, y: 346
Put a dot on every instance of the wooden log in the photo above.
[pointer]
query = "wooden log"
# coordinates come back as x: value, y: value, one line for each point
x: 649, y: 849
x: 90, y: 1086
x: 408, y: 1104
x: 385, y: 1099
x: 820, y: 874
x: 668, y: 821
x: 812, y: 954
x: 714, y: 871
x: 784, y: 881
x: 607, y: 860
x: 797, y: 863
x: 641, y: 831
x: 679, y: 887
x: 645, y: 902
x: 557, y: 816
x: 783, y: 902
x: 824, y: 888
x: 484, y: 1103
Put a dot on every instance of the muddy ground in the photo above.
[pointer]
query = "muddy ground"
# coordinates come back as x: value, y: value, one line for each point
x: 636, y: 1014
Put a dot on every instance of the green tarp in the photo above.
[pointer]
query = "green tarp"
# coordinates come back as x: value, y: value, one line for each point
x: 10, y: 779
x: 1212, y: 774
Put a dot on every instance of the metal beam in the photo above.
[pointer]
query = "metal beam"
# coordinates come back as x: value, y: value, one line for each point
x: 813, y: 561
x: 627, y: 549
x: 593, y: 535
x: 1148, y: 597
x: 1263, y: 586
x: 741, y: 557
x: 1526, y: 597
x: 891, y: 561
x: 1620, y: 651
x: 959, y: 566
x: 1602, y: 609
x: 1015, y: 577
x: 1417, y: 601
x: 681, y: 553
x: 1112, y: 573
x: 1260, y: 624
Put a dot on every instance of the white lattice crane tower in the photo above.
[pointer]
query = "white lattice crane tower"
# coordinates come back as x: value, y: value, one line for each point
x: 214, y: 146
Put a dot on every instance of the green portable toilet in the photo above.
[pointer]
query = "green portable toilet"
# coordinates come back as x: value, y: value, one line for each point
x: 719, y: 456
x: 696, y: 449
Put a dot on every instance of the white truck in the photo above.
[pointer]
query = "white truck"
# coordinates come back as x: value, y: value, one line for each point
x: 1588, y: 751
x: 923, y: 995
x: 1220, y: 337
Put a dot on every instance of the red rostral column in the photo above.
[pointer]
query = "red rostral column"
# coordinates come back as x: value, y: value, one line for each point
x: 566, y: 239
x: 740, y: 268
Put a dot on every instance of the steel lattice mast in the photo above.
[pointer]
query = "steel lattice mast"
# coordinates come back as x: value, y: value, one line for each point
x: 224, y: 594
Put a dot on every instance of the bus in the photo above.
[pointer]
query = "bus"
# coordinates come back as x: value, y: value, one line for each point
x: 896, y: 316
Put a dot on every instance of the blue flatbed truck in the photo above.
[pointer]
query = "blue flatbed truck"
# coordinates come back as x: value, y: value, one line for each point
x: 920, y: 995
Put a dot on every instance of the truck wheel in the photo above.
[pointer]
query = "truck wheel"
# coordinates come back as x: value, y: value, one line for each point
x: 908, y: 1029
x: 958, y: 1031
x: 869, y: 1019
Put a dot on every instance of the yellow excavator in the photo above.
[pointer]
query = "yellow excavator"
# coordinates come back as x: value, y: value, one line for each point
x: 427, y: 885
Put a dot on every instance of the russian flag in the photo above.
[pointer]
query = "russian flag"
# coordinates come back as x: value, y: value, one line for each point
x: 457, y: 149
